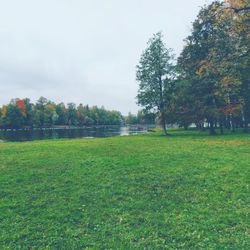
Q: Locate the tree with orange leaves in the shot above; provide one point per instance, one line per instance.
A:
(21, 104)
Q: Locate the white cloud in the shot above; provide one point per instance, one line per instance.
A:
(84, 50)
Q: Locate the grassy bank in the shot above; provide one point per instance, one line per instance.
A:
(188, 191)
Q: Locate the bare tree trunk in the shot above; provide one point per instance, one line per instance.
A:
(245, 122)
(221, 128)
(211, 128)
(231, 123)
(163, 123)
(162, 108)
(202, 127)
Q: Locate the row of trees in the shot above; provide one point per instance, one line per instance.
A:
(141, 117)
(44, 113)
(210, 83)
(21, 113)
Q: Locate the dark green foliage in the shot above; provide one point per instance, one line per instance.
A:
(155, 74)
(210, 83)
(142, 117)
(214, 65)
(46, 114)
(13, 118)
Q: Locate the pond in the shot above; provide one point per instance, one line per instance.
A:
(57, 133)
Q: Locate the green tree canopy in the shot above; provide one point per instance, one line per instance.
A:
(155, 74)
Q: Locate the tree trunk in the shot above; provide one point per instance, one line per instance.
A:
(202, 127)
(245, 123)
(212, 129)
(232, 125)
(163, 123)
(221, 129)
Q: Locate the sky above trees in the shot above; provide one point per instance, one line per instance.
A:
(84, 51)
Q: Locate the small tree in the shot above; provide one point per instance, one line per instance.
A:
(155, 76)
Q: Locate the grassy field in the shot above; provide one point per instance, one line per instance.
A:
(188, 191)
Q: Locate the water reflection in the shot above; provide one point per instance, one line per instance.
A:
(91, 132)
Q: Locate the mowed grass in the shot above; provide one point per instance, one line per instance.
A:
(187, 191)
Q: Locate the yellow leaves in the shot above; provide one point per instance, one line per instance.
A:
(50, 106)
(205, 65)
(238, 3)
(241, 20)
(226, 81)
(232, 109)
(226, 86)
(4, 110)
(202, 70)
(230, 80)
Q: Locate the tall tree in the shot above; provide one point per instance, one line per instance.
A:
(241, 30)
(14, 117)
(211, 62)
(155, 74)
(72, 114)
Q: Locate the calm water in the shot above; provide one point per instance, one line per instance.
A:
(91, 132)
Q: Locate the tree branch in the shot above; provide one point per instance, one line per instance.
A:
(241, 9)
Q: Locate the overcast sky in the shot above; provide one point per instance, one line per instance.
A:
(84, 51)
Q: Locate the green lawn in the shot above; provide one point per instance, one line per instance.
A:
(187, 191)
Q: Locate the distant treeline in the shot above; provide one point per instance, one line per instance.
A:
(142, 117)
(22, 113)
